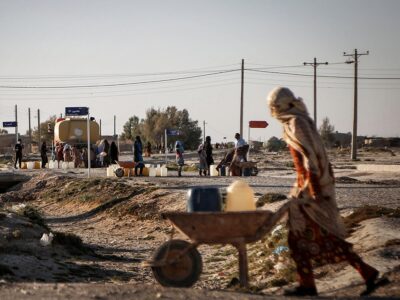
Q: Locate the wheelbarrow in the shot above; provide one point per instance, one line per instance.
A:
(178, 263)
(124, 167)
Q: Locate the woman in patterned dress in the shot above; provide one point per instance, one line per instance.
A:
(316, 231)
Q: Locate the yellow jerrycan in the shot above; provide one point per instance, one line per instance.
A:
(239, 197)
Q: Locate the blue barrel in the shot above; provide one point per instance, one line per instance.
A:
(222, 171)
(204, 199)
(247, 172)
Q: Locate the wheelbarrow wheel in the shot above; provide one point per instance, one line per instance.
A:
(119, 172)
(181, 273)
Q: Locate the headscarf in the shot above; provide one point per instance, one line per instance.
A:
(301, 134)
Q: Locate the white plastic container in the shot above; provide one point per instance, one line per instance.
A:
(158, 171)
(30, 165)
(64, 165)
(152, 172)
(71, 165)
(240, 197)
(213, 170)
(164, 171)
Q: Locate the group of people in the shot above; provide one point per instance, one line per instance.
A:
(101, 155)
(205, 157)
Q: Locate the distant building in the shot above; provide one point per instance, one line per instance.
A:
(381, 142)
(344, 140)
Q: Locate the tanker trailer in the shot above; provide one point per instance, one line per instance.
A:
(74, 131)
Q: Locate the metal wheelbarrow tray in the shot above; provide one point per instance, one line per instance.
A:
(178, 263)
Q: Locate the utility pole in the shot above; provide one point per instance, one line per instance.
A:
(315, 65)
(100, 127)
(241, 100)
(30, 130)
(204, 131)
(114, 124)
(16, 122)
(39, 131)
(355, 57)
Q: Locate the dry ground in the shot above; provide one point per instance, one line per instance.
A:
(105, 228)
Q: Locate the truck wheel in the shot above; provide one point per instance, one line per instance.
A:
(182, 273)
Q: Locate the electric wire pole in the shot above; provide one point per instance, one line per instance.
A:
(204, 132)
(355, 57)
(16, 124)
(315, 65)
(30, 130)
(241, 100)
(39, 131)
(115, 117)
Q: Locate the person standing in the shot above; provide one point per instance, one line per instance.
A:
(208, 149)
(138, 156)
(179, 157)
(43, 154)
(113, 153)
(59, 153)
(316, 231)
(106, 157)
(76, 156)
(67, 153)
(202, 160)
(18, 153)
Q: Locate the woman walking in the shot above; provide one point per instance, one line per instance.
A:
(316, 231)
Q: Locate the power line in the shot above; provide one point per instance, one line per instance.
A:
(324, 76)
(88, 76)
(119, 84)
(150, 92)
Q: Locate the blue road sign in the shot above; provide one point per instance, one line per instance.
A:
(173, 132)
(10, 124)
(76, 111)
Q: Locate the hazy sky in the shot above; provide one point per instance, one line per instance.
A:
(90, 43)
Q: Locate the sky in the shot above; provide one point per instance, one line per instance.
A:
(123, 57)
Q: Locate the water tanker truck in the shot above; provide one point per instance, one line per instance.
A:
(74, 131)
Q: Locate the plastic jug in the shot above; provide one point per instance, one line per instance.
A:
(158, 171)
(213, 170)
(152, 172)
(71, 165)
(30, 165)
(164, 171)
(51, 164)
(239, 197)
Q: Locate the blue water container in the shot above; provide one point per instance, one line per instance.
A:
(246, 172)
(204, 199)
(222, 171)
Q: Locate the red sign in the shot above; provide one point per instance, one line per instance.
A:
(258, 124)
